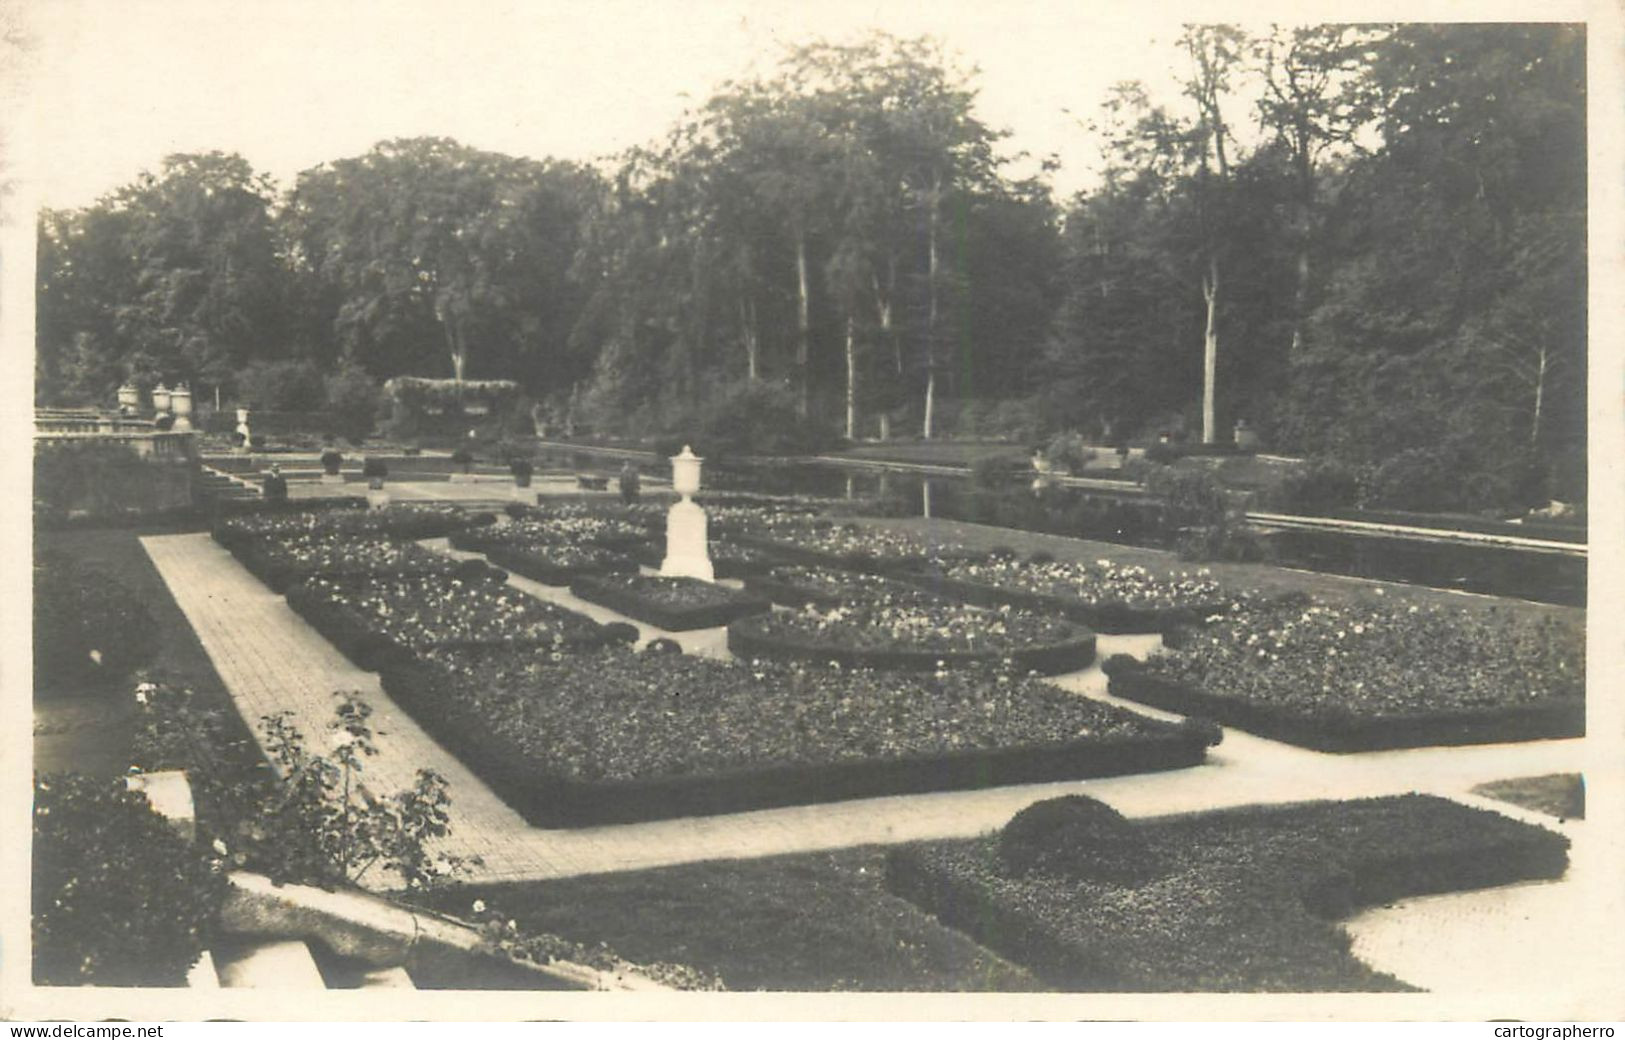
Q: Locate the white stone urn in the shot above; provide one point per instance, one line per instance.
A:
(180, 400)
(129, 398)
(161, 399)
(242, 428)
(688, 552)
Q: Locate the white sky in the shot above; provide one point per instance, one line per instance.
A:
(118, 84)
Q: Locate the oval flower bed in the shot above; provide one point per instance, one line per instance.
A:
(674, 604)
(1362, 677)
(905, 632)
(799, 586)
(616, 735)
(370, 619)
(850, 546)
(284, 562)
(1106, 596)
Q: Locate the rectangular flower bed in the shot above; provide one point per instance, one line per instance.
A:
(372, 620)
(823, 543)
(282, 563)
(609, 736)
(1103, 595)
(1232, 900)
(674, 604)
(1362, 678)
(403, 522)
(553, 565)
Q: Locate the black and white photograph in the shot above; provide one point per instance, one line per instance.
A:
(552, 510)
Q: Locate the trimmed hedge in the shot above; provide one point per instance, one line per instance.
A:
(746, 640)
(547, 797)
(732, 605)
(530, 563)
(1330, 727)
(1240, 899)
(1108, 618)
(80, 610)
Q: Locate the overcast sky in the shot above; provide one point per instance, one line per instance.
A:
(118, 84)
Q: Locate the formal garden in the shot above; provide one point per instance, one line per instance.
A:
(540, 648)
(810, 557)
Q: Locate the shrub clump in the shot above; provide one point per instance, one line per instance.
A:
(119, 899)
(89, 630)
(1078, 837)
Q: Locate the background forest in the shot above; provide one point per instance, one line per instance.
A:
(1367, 243)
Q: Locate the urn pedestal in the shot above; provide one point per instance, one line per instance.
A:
(688, 550)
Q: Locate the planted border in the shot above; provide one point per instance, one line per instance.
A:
(1238, 899)
(746, 640)
(280, 576)
(617, 597)
(1341, 730)
(547, 798)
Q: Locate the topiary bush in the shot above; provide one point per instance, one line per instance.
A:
(119, 898)
(1320, 487)
(1079, 837)
(90, 631)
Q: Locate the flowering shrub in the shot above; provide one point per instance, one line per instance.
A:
(1370, 659)
(419, 611)
(119, 898)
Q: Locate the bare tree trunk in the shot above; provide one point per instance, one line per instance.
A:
(459, 356)
(885, 426)
(747, 326)
(1210, 353)
(883, 307)
(931, 313)
(851, 380)
(803, 325)
(1540, 396)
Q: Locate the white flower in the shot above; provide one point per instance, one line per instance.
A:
(141, 696)
(220, 847)
(479, 906)
(341, 739)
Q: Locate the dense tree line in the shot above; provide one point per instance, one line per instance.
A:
(1366, 242)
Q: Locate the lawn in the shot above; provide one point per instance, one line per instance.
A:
(807, 922)
(1562, 795)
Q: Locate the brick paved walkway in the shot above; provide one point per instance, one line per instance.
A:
(271, 660)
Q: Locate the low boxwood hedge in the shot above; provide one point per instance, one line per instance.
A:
(1233, 900)
(674, 604)
(614, 736)
(1332, 726)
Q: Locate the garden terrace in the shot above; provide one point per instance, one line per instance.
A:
(908, 632)
(617, 735)
(284, 562)
(405, 522)
(1106, 596)
(1233, 900)
(1360, 677)
(673, 604)
(372, 619)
